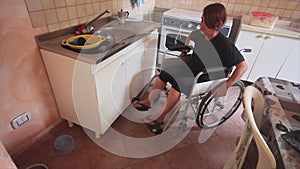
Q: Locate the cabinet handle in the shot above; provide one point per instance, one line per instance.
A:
(260, 36)
(268, 37)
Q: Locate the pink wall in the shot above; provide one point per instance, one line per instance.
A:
(24, 85)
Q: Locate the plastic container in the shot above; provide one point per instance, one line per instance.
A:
(64, 144)
(263, 19)
(37, 166)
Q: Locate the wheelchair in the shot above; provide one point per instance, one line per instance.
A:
(209, 110)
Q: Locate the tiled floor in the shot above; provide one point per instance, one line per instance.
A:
(187, 154)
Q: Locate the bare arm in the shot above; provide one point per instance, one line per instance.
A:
(241, 68)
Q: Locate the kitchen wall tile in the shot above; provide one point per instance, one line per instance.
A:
(38, 18)
(279, 12)
(72, 12)
(273, 4)
(238, 7)
(64, 24)
(245, 8)
(51, 16)
(256, 2)
(62, 14)
(74, 22)
(70, 2)
(298, 6)
(292, 5)
(287, 13)
(282, 4)
(89, 9)
(230, 6)
(248, 2)
(253, 8)
(60, 3)
(296, 15)
(96, 7)
(270, 10)
(114, 5)
(34, 5)
(109, 5)
(262, 8)
(53, 27)
(79, 2)
(264, 3)
(48, 4)
(81, 10)
(103, 6)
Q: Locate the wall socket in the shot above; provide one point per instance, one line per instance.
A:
(21, 120)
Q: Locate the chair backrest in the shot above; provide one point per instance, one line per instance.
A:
(254, 106)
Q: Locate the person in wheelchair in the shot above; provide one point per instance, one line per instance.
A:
(211, 49)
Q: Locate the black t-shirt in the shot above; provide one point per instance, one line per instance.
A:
(220, 52)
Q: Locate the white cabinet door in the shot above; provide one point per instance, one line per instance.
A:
(291, 68)
(112, 81)
(134, 67)
(110, 90)
(271, 57)
(249, 40)
(151, 45)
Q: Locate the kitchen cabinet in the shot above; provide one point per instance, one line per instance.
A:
(112, 81)
(74, 90)
(94, 95)
(291, 67)
(268, 53)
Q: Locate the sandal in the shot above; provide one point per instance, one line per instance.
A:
(154, 126)
(141, 107)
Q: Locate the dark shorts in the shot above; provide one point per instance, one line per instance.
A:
(181, 72)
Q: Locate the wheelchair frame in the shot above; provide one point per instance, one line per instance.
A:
(199, 102)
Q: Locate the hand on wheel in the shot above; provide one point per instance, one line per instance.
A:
(220, 91)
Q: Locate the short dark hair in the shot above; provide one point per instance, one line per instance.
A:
(214, 15)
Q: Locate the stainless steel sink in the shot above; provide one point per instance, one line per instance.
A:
(115, 34)
(112, 36)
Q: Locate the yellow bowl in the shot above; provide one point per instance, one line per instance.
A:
(85, 41)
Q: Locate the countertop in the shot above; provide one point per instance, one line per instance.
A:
(281, 28)
(52, 41)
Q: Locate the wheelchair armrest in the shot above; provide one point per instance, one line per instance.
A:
(218, 69)
(215, 70)
(180, 48)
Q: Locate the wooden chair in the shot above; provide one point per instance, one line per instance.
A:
(254, 106)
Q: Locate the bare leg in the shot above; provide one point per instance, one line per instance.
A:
(172, 100)
(158, 84)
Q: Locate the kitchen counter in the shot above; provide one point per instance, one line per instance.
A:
(281, 28)
(52, 41)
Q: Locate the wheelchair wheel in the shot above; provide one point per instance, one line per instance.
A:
(214, 111)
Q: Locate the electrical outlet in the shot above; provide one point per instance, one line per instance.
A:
(21, 120)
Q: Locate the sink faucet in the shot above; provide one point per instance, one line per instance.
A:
(86, 28)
